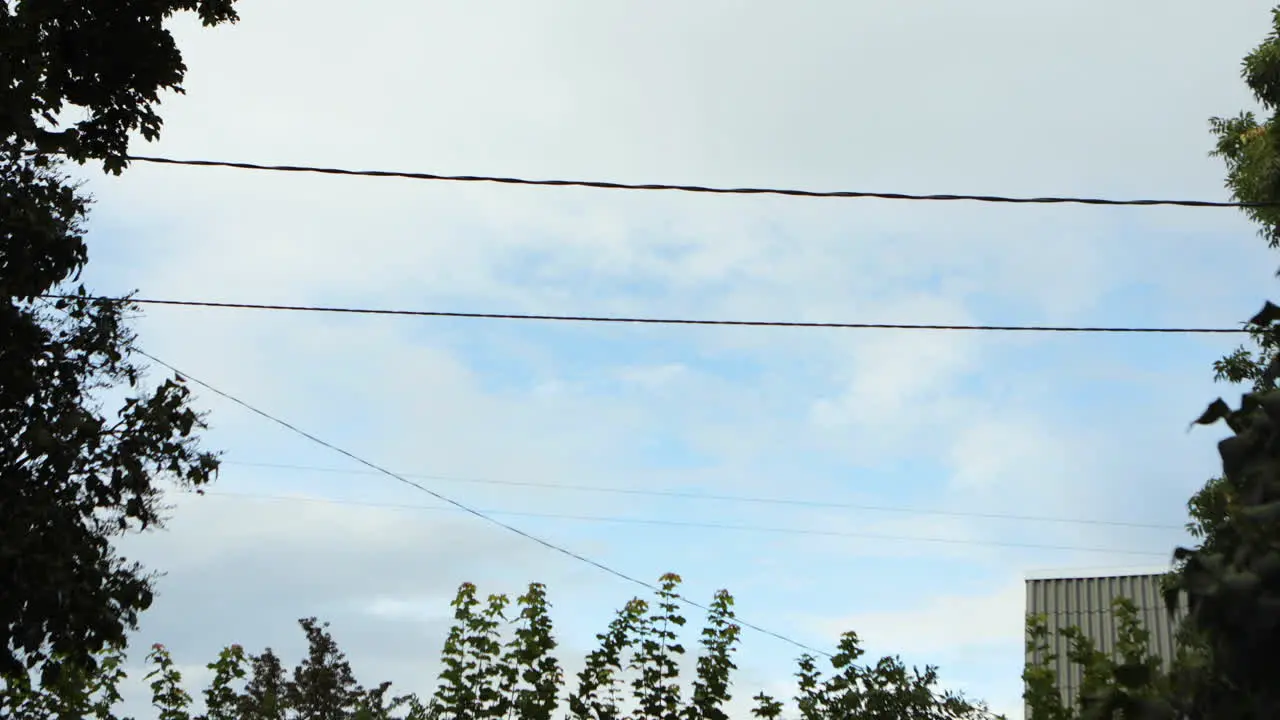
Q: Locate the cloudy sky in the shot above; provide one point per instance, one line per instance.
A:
(909, 450)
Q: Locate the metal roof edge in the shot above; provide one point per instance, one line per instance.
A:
(1081, 573)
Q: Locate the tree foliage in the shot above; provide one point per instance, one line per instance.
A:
(73, 478)
(104, 61)
(1232, 578)
(1208, 507)
(498, 663)
(1130, 682)
(73, 475)
(1233, 583)
(887, 690)
(1248, 145)
(1225, 666)
(73, 472)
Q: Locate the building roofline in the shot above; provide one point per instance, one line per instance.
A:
(1076, 573)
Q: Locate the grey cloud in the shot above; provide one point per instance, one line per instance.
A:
(1005, 96)
(245, 572)
(811, 91)
(815, 93)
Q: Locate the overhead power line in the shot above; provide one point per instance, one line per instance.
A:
(603, 185)
(464, 507)
(748, 499)
(695, 525)
(664, 321)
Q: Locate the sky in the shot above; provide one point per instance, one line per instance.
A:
(906, 451)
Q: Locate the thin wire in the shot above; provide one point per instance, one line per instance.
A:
(721, 498)
(695, 188)
(657, 321)
(697, 525)
(463, 507)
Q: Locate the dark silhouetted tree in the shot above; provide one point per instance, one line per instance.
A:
(75, 472)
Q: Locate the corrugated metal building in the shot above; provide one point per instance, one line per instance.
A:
(1086, 602)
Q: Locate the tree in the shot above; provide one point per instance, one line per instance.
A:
(642, 644)
(502, 667)
(323, 686)
(1232, 578)
(1226, 663)
(264, 691)
(1208, 508)
(1129, 683)
(104, 59)
(72, 474)
(1248, 145)
(75, 694)
(1233, 583)
(72, 477)
(887, 690)
(1250, 148)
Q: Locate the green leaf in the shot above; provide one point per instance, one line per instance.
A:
(1266, 513)
(1240, 582)
(1268, 566)
(110, 62)
(1152, 709)
(1270, 403)
(1269, 314)
(1217, 410)
(1234, 451)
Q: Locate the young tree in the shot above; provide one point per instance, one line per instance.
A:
(1129, 683)
(323, 686)
(221, 701)
(263, 697)
(471, 684)
(715, 664)
(71, 474)
(656, 661)
(597, 696)
(168, 696)
(887, 690)
(531, 675)
(76, 693)
(495, 667)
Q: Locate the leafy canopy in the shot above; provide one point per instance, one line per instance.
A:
(103, 61)
(76, 470)
(499, 663)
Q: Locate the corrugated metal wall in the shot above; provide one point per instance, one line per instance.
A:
(1086, 603)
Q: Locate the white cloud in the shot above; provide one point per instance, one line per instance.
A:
(814, 94)
(988, 453)
(653, 376)
(943, 623)
(976, 637)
